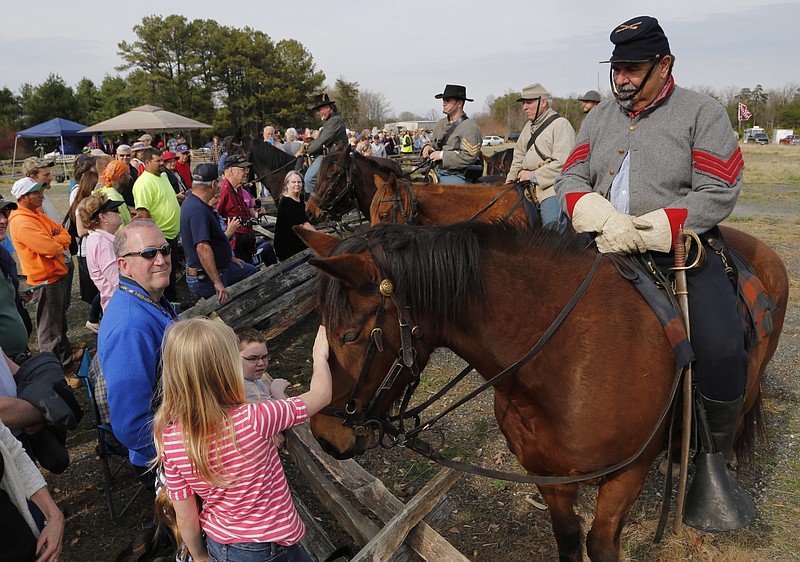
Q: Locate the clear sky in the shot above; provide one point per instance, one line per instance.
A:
(409, 49)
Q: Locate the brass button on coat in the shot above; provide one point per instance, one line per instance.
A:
(633, 127)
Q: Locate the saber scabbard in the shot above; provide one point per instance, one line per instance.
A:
(682, 294)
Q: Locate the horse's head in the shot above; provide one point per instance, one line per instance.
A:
(394, 201)
(370, 367)
(334, 179)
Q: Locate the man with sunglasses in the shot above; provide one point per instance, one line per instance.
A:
(129, 340)
(41, 243)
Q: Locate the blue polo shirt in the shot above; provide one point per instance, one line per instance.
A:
(199, 224)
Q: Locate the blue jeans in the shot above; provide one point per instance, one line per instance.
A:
(233, 274)
(311, 174)
(255, 552)
(447, 177)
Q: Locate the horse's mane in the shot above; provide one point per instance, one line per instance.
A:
(437, 270)
(385, 165)
(272, 157)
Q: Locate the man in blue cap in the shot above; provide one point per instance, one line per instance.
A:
(656, 158)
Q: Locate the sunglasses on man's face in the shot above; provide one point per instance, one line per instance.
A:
(150, 252)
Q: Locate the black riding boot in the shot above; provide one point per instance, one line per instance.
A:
(722, 417)
(716, 501)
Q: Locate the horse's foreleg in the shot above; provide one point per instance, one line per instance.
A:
(614, 502)
(566, 523)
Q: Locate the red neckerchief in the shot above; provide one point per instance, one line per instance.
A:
(662, 95)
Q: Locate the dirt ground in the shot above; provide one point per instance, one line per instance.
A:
(494, 520)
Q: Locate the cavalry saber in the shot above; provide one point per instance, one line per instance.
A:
(682, 295)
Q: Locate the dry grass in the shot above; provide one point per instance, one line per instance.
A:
(771, 163)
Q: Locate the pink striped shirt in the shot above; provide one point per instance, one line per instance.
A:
(258, 506)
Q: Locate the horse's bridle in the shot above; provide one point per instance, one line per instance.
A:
(398, 209)
(329, 202)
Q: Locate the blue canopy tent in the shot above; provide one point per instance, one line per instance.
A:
(63, 129)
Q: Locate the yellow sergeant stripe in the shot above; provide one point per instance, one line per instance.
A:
(470, 148)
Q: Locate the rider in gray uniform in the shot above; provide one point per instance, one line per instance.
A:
(333, 132)
(457, 139)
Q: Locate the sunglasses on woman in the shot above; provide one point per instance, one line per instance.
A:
(150, 252)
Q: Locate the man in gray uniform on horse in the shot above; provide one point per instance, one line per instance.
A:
(656, 158)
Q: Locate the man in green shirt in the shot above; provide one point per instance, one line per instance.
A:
(155, 199)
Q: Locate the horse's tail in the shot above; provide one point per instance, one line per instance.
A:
(753, 427)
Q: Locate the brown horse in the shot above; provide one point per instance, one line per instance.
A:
(590, 398)
(499, 163)
(346, 179)
(402, 202)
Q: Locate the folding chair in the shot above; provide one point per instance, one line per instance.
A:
(110, 451)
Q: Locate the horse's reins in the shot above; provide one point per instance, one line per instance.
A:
(261, 177)
(496, 199)
(410, 216)
(407, 359)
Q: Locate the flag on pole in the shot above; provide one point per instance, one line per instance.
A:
(744, 115)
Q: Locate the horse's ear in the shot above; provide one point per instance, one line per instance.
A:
(318, 241)
(354, 270)
(378, 182)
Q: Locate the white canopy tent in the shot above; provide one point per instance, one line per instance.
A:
(147, 118)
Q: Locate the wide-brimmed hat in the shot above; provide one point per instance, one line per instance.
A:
(139, 146)
(591, 95)
(533, 91)
(24, 186)
(32, 164)
(454, 91)
(320, 100)
(236, 161)
(639, 39)
(5, 203)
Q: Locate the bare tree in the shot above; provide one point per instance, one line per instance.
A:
(374, 108)
(433, 115)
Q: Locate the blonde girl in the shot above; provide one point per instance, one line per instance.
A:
(214, 445)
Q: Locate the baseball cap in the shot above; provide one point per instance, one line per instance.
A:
(24, 186)
(168, 156)
(182, 149)
(205, 172)
(236, 161)
(145, 137)
(5, 203)
(32, 164)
